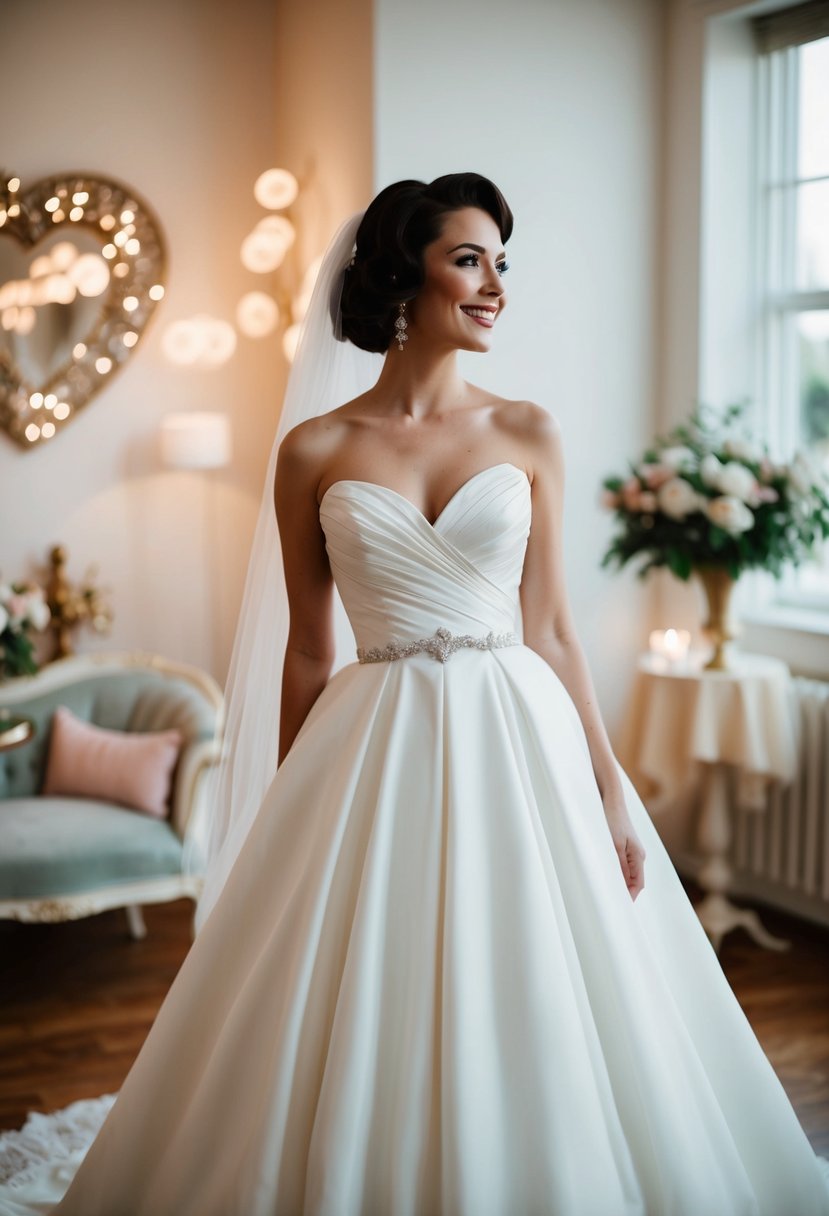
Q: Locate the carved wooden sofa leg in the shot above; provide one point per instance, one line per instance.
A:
(135, 920)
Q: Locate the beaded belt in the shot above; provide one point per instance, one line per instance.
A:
(442, 646)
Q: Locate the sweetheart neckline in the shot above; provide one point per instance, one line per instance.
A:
(375, 485)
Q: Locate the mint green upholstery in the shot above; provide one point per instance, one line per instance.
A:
(58, 846)
(58, 855)
(122, 700)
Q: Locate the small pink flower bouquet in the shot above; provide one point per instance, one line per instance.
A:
(23, 609)
(704, 495)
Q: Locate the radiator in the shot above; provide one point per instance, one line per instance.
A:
(780, 855)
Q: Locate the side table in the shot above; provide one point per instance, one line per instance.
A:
(687, 718)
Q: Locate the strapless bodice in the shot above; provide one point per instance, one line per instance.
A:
(401, 577)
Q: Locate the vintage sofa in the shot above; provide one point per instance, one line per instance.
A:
(62, 858)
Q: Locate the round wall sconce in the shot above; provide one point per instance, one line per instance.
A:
(265, 247)
(199, 341)
(275, 189)
(257, 314)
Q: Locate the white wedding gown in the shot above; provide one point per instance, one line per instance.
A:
(425, 990)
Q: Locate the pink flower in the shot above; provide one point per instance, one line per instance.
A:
(631, 494)
(17, 606)
(609, 499)
(655, 475)
(648, 501)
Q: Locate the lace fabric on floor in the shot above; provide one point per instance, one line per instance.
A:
(54, 1139)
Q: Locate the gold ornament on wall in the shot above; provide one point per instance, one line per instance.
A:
(74, 605)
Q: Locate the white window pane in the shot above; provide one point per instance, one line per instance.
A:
(813, 236)
(812, 580)
(795, 258)
(811, 583)
(813, 118)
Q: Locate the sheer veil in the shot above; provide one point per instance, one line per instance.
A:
(326, 372)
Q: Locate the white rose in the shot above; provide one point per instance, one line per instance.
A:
(4, 618)
(743, 449)
(736, 481)
(710, 470)
(730, 514)
(680, 457)
(804, 473)
(39, 613)
(677, 498)
(5, 592)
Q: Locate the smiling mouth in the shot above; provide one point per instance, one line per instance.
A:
(482, 316)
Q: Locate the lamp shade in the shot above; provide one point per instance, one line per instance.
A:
(195, 441)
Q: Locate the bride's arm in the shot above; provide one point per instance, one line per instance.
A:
(549, 630)
(309, 653)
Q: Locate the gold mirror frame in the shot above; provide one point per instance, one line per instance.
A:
(133, 245)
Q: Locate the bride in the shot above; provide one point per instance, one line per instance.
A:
(445, 966)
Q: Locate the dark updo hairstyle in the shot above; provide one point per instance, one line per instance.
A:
(388, 263)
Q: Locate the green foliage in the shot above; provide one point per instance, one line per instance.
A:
(16, 654)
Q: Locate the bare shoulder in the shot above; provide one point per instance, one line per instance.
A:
(310, 439)
(308, 446)
(528, 419)
(535, 430)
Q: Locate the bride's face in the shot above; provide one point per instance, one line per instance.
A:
(463, 291)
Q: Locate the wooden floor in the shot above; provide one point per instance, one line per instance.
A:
(78, 1000)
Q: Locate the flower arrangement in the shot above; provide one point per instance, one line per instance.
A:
(707, 496)
(23, 609)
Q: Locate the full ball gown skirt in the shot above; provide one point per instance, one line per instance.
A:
(425, 989)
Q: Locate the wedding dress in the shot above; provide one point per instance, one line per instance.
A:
(425, 989)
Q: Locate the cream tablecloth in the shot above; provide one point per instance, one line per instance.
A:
(679, 717)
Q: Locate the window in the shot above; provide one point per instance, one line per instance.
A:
(793, 261)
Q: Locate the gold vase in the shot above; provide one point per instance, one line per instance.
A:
(720, 627)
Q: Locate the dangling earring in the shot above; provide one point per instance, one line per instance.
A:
(401, 325)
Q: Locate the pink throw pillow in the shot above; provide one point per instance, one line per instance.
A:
(129, 768)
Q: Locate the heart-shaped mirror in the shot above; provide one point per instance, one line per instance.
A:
(81, 272)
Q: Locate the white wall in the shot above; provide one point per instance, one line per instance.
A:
(323, 93)
(559, 103)
(175, 99)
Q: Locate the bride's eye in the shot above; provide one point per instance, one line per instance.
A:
(471, 259)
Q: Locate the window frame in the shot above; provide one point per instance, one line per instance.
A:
(779, 301)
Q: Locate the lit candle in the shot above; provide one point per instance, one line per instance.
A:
(670, 646)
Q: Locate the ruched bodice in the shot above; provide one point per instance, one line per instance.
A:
(401, 577)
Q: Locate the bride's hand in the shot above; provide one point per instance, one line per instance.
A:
(627, 844)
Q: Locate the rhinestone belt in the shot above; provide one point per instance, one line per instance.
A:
(442, 645)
